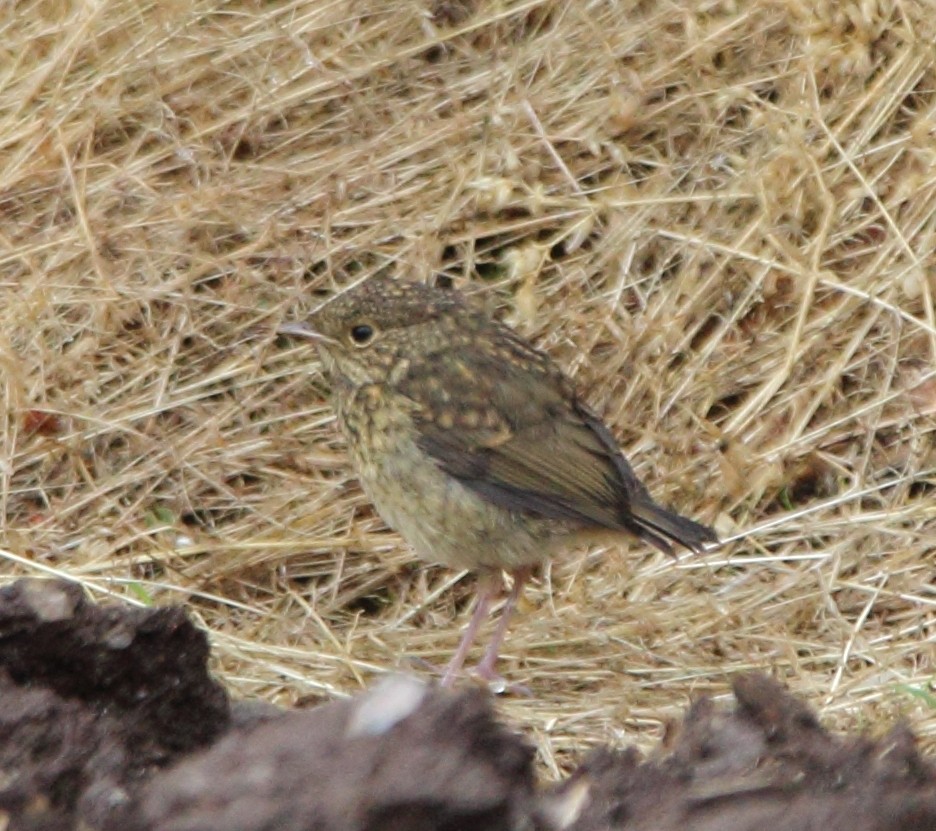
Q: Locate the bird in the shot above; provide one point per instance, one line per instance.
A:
(473, 444)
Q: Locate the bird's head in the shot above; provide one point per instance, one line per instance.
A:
(366, 331)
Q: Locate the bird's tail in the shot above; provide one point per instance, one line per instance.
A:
(662, 527)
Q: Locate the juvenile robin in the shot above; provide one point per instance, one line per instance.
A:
(473, 444)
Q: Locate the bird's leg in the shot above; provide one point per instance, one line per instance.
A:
(488, 585)
(485, 669)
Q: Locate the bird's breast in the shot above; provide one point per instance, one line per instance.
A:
(444, 521)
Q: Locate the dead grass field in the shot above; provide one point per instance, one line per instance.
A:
(719, 216)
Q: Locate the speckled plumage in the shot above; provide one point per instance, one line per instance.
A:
(470, 442)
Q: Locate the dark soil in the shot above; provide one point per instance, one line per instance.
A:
(109, 720)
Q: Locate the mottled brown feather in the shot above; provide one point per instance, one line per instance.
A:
(540, 450)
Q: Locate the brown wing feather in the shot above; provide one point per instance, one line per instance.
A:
(538, 469)
(525, 443)
(521, 440)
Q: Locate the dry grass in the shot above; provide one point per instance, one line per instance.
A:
(719, 216)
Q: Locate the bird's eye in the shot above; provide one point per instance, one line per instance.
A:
(362, 334)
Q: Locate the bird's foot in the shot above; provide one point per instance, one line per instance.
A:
(447, 675)
(497, 684)
(494, 681)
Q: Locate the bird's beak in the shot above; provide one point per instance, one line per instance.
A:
(302, 330)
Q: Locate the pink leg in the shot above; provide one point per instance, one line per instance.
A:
(486, 668)
(488, 585)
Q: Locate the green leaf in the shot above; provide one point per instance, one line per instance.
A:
(920, 693)
(141, 593)
(160, 517)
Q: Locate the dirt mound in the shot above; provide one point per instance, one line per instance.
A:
(110, 720)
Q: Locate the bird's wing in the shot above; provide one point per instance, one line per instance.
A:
(514, 433)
